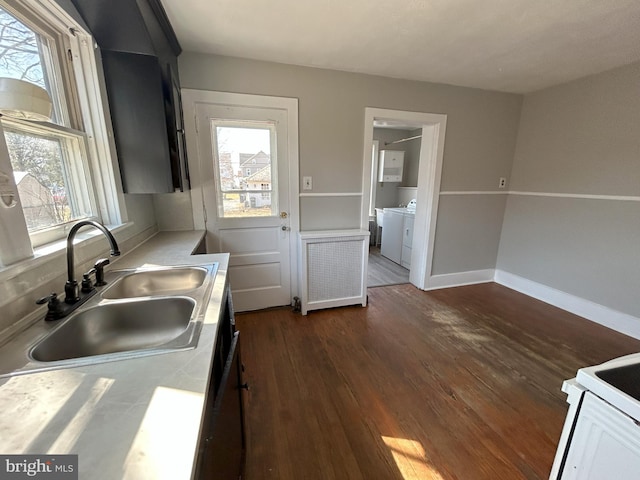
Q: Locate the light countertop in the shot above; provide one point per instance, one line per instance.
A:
(136, 418)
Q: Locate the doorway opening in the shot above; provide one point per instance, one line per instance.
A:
(401, 186)
(393, 197)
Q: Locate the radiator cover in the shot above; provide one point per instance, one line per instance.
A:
(333, 268)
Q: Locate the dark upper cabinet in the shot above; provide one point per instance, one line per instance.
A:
(175, 128)
(139, 54)
(117, 25)
(134, 88)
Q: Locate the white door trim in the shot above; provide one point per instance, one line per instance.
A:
(433, 134)
(192, 97)
(374, 178)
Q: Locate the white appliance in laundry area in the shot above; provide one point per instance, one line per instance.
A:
(397, 234)
(391, 166)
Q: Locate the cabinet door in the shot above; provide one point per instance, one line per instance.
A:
(405, 260)
(391, 166)
(175, 132)
(605, 444)
(391, 245)
(407, 240)
(136, 100)
(407, 234)
(223, 457)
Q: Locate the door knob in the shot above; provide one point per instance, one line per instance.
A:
(283, 215)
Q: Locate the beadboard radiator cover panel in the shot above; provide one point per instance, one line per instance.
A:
(333, 269)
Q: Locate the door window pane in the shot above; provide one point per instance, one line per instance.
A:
(245, 158)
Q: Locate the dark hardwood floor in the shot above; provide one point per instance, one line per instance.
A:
(461, 383)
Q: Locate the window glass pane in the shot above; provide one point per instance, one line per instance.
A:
(22, 56)
(20, 51)
(42, 175)
(244, 163)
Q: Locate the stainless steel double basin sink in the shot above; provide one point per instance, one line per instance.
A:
(141, 312)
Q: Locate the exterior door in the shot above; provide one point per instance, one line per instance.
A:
(244, 162)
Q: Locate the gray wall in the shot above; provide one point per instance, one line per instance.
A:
(479, 145)
(580, 138)
(468, 233)
(413, 151)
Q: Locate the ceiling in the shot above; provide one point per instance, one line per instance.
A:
(507, 45)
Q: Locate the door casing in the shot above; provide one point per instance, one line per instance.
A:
(431, 156)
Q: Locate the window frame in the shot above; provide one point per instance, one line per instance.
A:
(81, 105)
(78, 172)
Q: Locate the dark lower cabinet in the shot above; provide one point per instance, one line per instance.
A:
(221, 453)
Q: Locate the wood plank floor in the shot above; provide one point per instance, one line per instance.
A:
(382, 271)
(462, 383)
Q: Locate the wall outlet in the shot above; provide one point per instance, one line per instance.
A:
(502, 182)
(307, 183)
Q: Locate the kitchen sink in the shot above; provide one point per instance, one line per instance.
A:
(140, 312)
(625, 378)
(119, 327)
(174, 280)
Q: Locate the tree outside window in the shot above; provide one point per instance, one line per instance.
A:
(19, 51)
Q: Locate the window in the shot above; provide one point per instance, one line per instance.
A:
(62, 167)
(49, 171)
(240, 143)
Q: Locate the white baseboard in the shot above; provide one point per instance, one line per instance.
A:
(459, 278)
(621, 322)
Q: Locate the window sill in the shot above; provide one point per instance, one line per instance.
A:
(51, 251)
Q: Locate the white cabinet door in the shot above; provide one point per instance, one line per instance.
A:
(391, 245)
(405, 259)
(407, 240)
(605, 444)
(407, 234)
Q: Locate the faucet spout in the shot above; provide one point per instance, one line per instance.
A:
(71, 289)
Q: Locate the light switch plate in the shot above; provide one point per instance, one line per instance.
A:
(307, 183)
